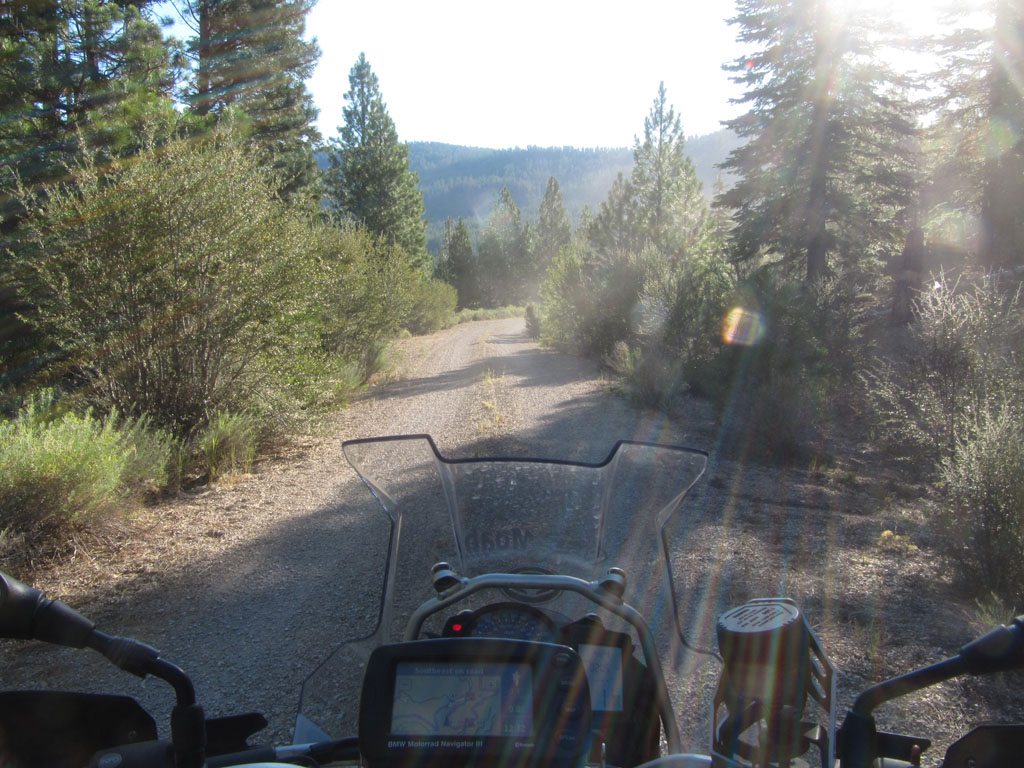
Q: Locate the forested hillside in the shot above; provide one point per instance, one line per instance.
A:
(464, 182)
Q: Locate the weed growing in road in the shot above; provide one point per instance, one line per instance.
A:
(492, 415)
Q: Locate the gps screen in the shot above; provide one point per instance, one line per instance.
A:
(462, 699)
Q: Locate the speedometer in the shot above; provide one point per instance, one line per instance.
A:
(508, 621)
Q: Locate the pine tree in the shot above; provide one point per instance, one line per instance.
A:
(660, 209)
(653, 228)
(553, 231)
(79, 81)
(667, 198)
(443, 269)
(369, 178)
(614, 231)
(457, 265)
(979, 137)
(1004, 172)
(251, 55)
(505, 256)
(827, 170)
(75, 77)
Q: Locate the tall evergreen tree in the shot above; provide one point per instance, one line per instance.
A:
(457, 265)
(369, 178)
(251, 55)
(979, 137)
(660, 209)
(648, 232)
(505, 255)
(443, 269)
(667, 196)
(614, 231)
(553, 231)
(79, 80)
(74, 76)
(827, 170)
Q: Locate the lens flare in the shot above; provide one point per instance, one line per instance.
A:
(743, 327)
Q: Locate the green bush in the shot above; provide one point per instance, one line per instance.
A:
(228, 444)
(588, 302)
(963, 358)
(652, 376)
(498, 313)
(982, 529)
(947, 402)
(532, 321)
(777, 385)
(59, 471)
(374, 359)
(432, 306)
(363, 294)
(698, 297)
(59, 467)
(175, 284)
(314, 383)
(155, 459)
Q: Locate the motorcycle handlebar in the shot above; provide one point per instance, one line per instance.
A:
(27, 614)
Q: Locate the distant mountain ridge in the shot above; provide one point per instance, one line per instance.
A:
(465, 181)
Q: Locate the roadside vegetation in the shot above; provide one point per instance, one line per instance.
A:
(174, 297)
(809, 302)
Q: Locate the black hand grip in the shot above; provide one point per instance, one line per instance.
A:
(27, 614)
(1000, 650)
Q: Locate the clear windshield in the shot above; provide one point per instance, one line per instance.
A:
(507, 516)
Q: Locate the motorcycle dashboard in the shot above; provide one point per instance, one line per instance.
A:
(470, 701)
(622, 697)
(603, 651)
(507, 621)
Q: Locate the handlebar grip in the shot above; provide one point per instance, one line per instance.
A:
(1000, 650)
(27, 614)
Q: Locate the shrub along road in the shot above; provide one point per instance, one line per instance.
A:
(248, 583)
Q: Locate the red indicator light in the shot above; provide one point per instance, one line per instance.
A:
(456, 627)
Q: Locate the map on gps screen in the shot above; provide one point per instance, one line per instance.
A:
(462, 699)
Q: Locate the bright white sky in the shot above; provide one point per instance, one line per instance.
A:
(579, 73)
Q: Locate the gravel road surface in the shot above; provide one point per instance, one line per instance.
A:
(246, 584)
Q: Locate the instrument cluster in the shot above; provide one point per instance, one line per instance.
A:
(507, 621)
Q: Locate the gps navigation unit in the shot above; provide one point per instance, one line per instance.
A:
(452, 702)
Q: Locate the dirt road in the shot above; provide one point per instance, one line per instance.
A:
(245, 584)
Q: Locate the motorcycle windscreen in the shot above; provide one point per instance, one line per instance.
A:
(498, 515)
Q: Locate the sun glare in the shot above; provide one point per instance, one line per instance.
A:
(916, 17)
